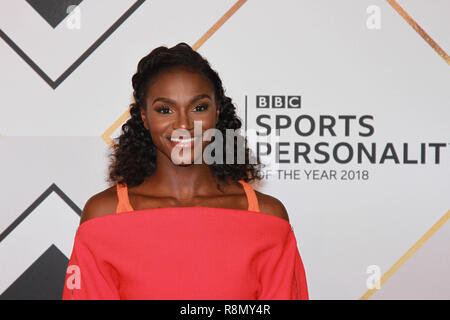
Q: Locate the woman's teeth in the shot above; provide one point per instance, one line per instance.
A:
(182, 140)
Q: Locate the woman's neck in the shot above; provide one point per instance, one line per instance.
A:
(181, 182)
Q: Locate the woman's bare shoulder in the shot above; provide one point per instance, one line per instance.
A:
(271, 205)
(100, 204)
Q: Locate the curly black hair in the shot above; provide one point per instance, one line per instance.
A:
(134, 154)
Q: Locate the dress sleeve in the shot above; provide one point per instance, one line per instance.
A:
(88, 277)
(282, 275)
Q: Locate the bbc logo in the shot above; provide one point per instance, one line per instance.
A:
(278, 102)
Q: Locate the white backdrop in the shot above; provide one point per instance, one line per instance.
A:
(65, 91)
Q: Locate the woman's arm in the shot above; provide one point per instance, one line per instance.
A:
(281, 274)
(88, 277)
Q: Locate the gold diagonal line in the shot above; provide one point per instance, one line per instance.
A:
(419, 30)
(408, 254)
(218, 24)
(106, 135)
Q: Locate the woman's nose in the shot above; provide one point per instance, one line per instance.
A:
(183, 121)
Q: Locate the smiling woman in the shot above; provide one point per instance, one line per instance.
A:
(173, 88)
(174, 228)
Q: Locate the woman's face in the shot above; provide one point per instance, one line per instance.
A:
(175, 99)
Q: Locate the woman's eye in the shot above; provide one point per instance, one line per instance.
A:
(201, 107)
(163, 110)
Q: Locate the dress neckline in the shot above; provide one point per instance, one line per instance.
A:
(196, 209)
(124, 205)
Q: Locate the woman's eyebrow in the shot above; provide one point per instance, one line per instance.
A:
(197, 97)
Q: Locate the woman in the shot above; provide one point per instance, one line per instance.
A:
(175, 228)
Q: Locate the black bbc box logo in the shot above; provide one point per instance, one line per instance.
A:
(278, 102)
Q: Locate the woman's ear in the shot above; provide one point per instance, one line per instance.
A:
(217, 113)
(144, 118)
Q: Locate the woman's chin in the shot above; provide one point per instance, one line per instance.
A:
(187, 160)
(183, 162)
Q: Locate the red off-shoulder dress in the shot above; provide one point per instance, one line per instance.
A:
(186, 253)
